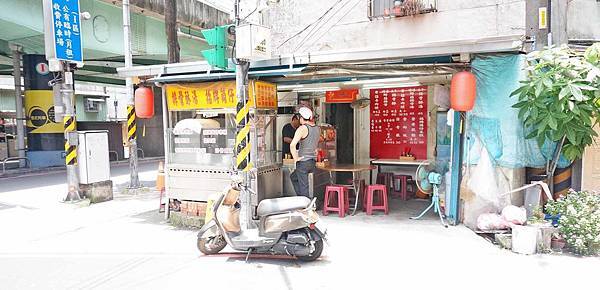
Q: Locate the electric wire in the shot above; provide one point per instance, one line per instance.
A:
(255, 8)
(335, 24)
(316, 27)
(308, 26)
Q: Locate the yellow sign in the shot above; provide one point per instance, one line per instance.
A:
(265, 95)
(39, 106)
(542, 18)
(218, 95)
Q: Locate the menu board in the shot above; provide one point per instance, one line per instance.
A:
(398, 122)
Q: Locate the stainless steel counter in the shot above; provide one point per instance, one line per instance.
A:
(317, 181)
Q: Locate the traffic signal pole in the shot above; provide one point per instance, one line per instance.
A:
(243, 146)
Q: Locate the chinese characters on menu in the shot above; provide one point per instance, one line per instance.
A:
(399, 116)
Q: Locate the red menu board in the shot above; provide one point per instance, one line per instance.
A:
(398, 122)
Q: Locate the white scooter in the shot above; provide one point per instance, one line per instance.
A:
(286, 226)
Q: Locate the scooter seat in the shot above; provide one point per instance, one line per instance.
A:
(280, 205)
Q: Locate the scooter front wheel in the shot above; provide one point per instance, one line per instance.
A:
(211, 245)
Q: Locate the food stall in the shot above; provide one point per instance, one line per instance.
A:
(200, 149)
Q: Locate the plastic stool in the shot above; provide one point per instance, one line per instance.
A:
(401, 182)
(338, 194)
(387, 179)
(380, 190)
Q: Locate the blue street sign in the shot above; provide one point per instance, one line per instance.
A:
(67, 30)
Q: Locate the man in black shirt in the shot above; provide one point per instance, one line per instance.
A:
(288, 134)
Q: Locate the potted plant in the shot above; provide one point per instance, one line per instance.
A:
(544, 230)
(579, 220)
(559, 101)
(557, 242)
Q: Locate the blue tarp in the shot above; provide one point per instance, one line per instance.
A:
(494, 122)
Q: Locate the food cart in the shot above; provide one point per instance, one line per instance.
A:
(200, 149)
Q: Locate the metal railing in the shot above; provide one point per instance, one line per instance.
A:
(142, 151)
(27, 163)
(379, 9)
(113, 152)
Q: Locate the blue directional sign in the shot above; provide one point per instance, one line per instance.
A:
(67, 30)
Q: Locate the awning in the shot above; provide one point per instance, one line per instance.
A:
(198, 77)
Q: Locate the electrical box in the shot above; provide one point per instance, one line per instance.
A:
(92, 156)
(253, 42)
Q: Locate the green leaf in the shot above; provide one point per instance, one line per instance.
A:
(585, 87)
(519, 90)
(540, 140)
(534, 113)
(552, 123)
(572, 137)
(576, 93)
(531, 135)
(538, 88)
(522, 112)
(547, 82)
(565, 91)
(520, 104)
(542, 126)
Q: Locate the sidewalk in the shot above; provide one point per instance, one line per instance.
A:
(40, 171)
(126, 244)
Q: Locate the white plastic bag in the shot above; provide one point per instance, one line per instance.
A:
(491, 221)
(483, 180)
(514, 215)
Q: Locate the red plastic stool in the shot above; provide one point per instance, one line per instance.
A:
(339, 196)
(381, 191)
(387, 179)
(402, 181)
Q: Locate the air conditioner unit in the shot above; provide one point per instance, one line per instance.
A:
(92, 105)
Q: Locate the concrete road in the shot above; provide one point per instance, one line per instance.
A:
(125, 244)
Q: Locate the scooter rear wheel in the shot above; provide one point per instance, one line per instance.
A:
(315, 254)
(211, 245)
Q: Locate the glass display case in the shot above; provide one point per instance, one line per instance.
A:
(202, 159)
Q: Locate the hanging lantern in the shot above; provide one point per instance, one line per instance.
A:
(144, 102)
(463, 91)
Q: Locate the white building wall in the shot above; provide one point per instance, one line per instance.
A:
(583, 20)
(347, 25)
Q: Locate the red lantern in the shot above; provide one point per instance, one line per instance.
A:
(463, 91)
(144, 102)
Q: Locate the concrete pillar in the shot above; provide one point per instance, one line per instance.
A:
(44, 135)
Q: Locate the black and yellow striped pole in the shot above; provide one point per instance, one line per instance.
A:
(242, 138)
(70, 149)
(242, 141)
(70, 133)
(131, 124)
(134, 181)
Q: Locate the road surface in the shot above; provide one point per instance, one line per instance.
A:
(125, 244)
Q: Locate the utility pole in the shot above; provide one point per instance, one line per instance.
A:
(171, 31)
(16, 57)
(64, 52)
(70, 126)
(134, 181)
(243, 146)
